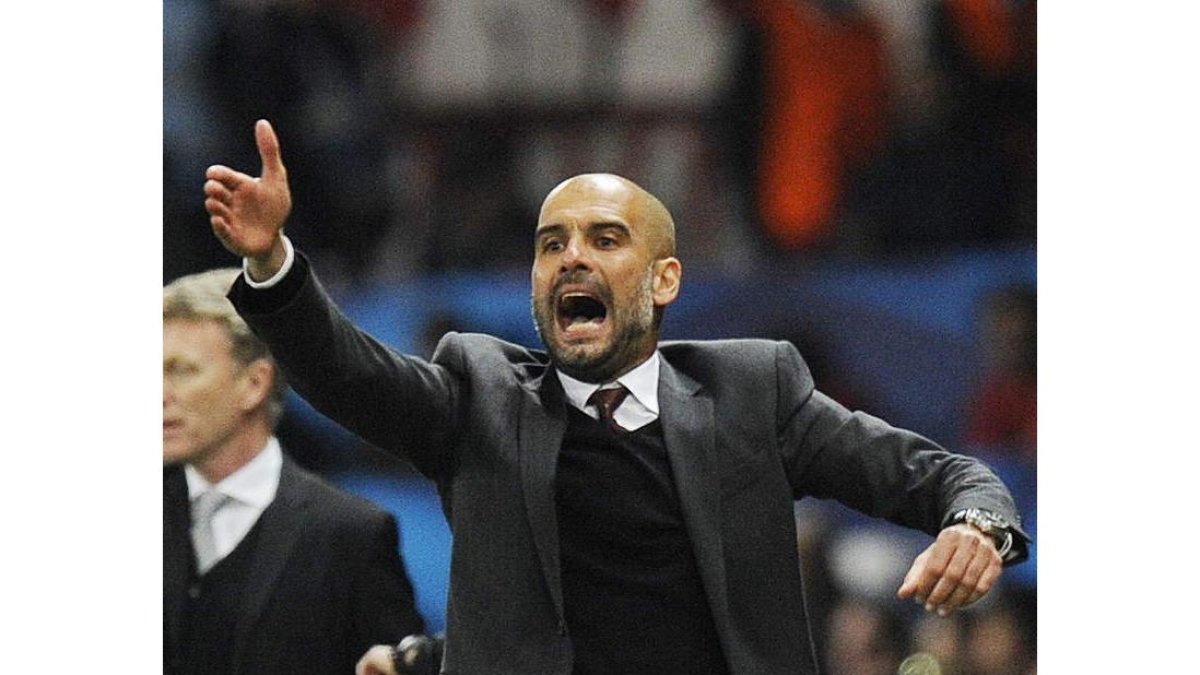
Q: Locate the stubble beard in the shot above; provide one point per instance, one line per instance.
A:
(635, 325)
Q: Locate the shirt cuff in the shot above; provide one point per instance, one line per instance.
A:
(289, 258)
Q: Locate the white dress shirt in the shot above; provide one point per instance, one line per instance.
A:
(637, 410)
(252, 488)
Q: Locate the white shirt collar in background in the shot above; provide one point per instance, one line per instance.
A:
(252, 488)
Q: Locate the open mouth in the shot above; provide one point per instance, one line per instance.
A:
(580, 312)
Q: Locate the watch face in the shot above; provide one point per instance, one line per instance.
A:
(994, 521)
(988, 522)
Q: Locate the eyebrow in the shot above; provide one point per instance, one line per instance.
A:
(558, 228)
(610, 225)
(547, 230)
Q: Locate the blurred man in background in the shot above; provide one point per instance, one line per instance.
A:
(266, 569)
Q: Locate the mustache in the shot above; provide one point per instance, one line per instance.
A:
(582, 278)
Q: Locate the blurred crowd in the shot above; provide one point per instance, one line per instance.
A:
(420, 136)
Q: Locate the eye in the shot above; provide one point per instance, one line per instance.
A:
(606, 242)
(551, 246)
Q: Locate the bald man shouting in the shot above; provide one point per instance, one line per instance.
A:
(619, 505)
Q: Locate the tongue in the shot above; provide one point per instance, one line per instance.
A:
(580, 326)
(576, 320)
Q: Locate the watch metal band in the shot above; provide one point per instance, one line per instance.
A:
(991, 524)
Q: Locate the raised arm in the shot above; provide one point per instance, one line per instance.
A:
(398, 402)
(247, 213)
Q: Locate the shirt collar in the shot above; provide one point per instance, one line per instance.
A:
(255, 483)
(642, 383)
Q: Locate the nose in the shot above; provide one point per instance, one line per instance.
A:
(575, 256)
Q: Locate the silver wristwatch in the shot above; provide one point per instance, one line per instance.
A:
(991, 524)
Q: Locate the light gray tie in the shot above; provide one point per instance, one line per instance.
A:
(203, 541)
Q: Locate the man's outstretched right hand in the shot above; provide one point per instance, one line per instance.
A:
(247, 213)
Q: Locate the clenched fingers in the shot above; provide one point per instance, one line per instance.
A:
(971, 586)
(956, 570)
(954, 574)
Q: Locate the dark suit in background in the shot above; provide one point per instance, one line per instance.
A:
(745, 432)
(317, 580)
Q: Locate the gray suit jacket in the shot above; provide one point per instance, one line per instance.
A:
(746, 435)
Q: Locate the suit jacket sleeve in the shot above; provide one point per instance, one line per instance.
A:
(398, 402)
(382, 606)
(873, 467)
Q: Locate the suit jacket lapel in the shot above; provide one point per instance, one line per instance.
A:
(543, 424)
(177, 551)
(687, 418)
(279, 532)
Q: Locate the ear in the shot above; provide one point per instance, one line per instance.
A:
(667, 275)
(257, 378)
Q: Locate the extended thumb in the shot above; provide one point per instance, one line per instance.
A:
(268, 150)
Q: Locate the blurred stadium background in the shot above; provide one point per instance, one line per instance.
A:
(856, 176)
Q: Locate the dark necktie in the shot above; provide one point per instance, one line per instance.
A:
(606, 402)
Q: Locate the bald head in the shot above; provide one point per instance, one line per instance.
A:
(604, 270)
(645, 213)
